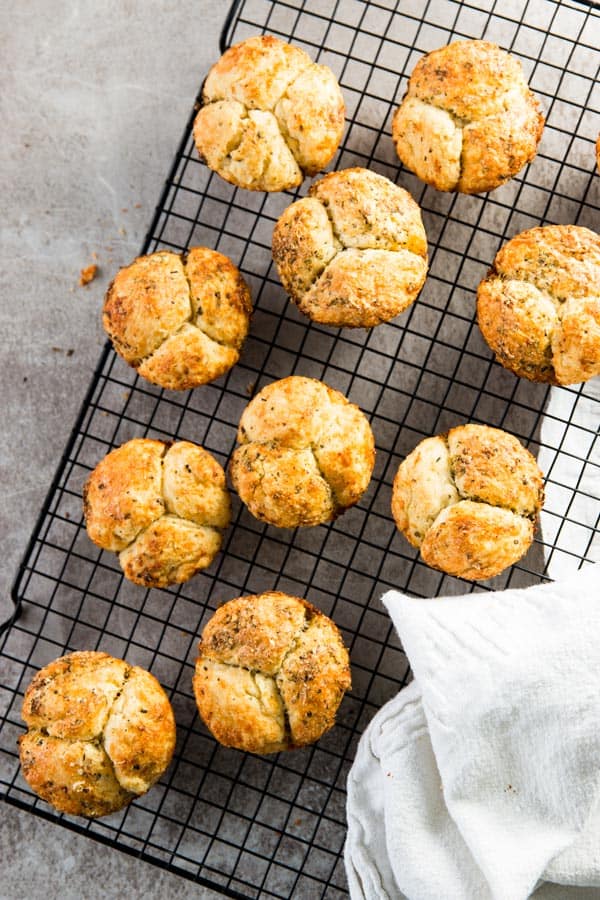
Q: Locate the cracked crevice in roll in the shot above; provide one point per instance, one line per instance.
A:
(179, 319)
(161, 507)
(306, 453)
(468, 121)
(100, 733)
(354, 252)
(270, 115)
(469, 500)
(539, 307)
(270, 674)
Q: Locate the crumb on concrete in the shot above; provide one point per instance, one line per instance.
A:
(250, 387)
(88, 274)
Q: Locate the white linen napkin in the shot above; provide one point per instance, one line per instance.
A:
(482, 778)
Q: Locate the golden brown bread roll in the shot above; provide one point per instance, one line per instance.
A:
(354, 252)
(270, 115)
(539, 307)
(469, 500)
(100, 733)
(161, 507)
(271, 672)
(306, 453)
(179, 319)
(468, 121)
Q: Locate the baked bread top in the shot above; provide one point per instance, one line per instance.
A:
(354, 252)
(271, 672)
(468, 121)
(100, 733)
(179, 319)
(162, 507)
(270, 115)
(539, 306)
(306, 453)
(469, 500)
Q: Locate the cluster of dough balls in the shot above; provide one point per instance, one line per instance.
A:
(270, 115)
(99, 733)
(468, 121)
(539, 307)
(162, 507)
(179, 318)
(468, 500)
(354, 252)
(270, 674)
(306, 453)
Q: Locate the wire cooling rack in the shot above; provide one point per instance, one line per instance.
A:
(275, 826)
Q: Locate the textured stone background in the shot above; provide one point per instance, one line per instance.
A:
(94, 99)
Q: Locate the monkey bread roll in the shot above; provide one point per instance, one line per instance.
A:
(179, 319)
(468, 500)
(100, 733)
(354, 252)
(162, 507)
(306, 453)
(539, 307)
(270, 115)
(270, 674)
(468, 121)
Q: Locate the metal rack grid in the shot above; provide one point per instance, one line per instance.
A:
(275, 826)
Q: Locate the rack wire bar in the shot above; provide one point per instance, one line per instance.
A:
(274, 827)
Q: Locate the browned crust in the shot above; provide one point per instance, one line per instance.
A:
(146, 302)
(139, 736)
(254, 632)
(179, 319)
(282, 486)
(492, 466)
(123, 495)
(476, 541)
(306, 453)
(75, 777)
(170, 551)
(468, 500)
(423, 486)
(186, 360)
(313, 679)
(271, 673)
(354, 253)
(468, 121)
(539, 307)
(100, 733)
(269, 116)
(162, 507)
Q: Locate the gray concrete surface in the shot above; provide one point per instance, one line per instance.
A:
(94, 98)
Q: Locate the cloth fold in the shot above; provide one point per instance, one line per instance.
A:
(481, 779)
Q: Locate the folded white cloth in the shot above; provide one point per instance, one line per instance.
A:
(481, 779)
